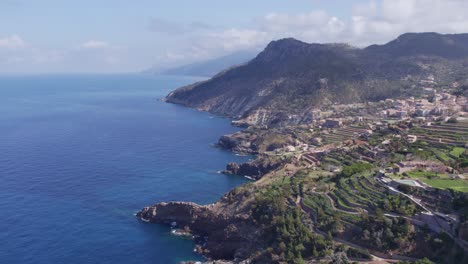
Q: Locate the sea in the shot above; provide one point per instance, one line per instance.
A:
(81, 154)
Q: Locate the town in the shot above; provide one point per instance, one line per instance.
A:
(399, 158)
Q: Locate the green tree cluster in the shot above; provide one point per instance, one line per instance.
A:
(355, 168)
(284, 227)
(398, 204)
(384, 233)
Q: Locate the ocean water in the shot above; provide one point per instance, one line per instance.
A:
(80, 154)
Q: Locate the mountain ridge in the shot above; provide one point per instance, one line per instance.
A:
(290, 76)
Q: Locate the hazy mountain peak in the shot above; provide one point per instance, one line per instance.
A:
(210, 67)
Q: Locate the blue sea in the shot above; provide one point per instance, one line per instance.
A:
(81, 154)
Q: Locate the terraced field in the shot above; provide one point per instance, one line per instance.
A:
(350, 199)
(358, 193)
(342, 134)
(354, 195)
(444, 134)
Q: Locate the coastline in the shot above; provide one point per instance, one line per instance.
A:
(180, 219)
(102, 168)
(291, 163)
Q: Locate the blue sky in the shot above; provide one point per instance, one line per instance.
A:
(123, 35)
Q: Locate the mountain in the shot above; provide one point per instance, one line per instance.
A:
(450, 46)
(210, 67)
(291, 77)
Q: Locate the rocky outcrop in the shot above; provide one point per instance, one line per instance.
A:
(181, 212)
(254, 169)
(221, 232)
(239, 142)
(265, 118)
(258, 139)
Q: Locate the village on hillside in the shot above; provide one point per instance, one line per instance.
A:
(402, 158)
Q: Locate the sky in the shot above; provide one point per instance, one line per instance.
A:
(107, 36)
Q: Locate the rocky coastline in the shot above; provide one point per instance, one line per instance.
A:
(220, 231)
(238, 228)
(224, 230)
(328, 172)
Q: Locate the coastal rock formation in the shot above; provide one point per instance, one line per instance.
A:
(289, 215)
(239, 142)
(181, 212)
(254, 140)
(222, 230)
(254, 169)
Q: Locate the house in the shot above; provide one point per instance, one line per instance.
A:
(401, 114)
(457, 176)
(438, 111)
(386, 142)
(411, 138)
(405, 166)
(381, 173)
(290, 149)
(304, 147)
(317, 141)
(332, 123)
(367, 133)
(333, 168)
(422, 112)
(311, 159)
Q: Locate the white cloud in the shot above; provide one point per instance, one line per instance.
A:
(281, 22)
(89, 56)
(382, 22)
(12, 42)
(374, 21)
(371, 22)
(95, 44)
(314, 26)
(236, 39)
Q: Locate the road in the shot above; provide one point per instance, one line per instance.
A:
(463, 244)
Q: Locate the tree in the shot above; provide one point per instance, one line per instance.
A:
(379, 214)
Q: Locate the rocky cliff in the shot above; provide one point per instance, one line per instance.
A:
(255, 169)
(223, 230)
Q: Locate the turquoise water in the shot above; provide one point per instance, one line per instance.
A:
(80, 154)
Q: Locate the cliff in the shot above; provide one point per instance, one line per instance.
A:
(257, 168)
(224, 231)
